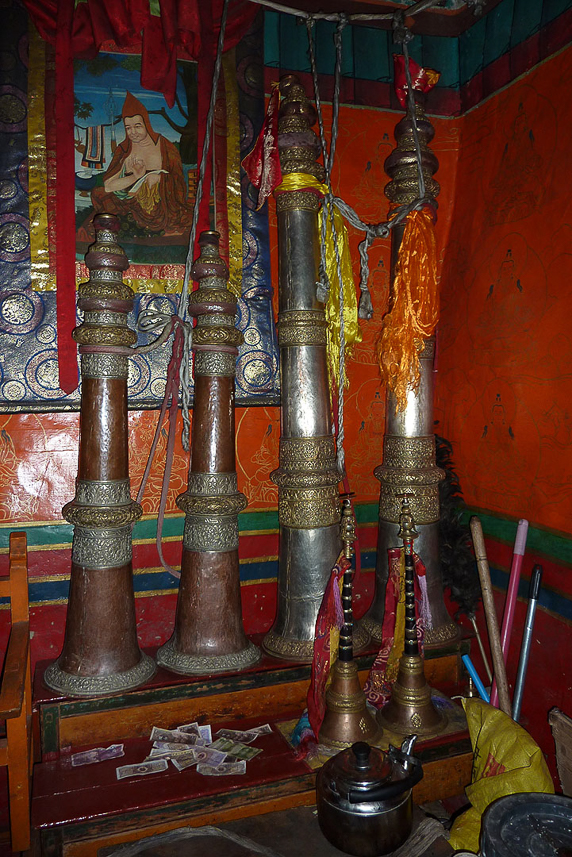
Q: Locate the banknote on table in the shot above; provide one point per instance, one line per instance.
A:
(200, 755)
(190, 728)
(98, 754)
(153, 767)
(174, 736)
(203, 732)
(206, 733)
(262, 730)
(237, 735)
(167, 745)
(182, 761)
(210, 755)
(157, 753)
(225, 769)
(235, 749)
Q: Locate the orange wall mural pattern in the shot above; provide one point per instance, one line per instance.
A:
(504, 383)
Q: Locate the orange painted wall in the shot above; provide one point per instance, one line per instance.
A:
(504, 383)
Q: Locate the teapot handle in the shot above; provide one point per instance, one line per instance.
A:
(385, 792)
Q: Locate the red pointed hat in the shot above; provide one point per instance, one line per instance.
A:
(133, 107)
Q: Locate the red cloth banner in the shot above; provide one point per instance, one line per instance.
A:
(330, 618)
(422, 79)
(65, 200)
(379, 683)
(262, 164)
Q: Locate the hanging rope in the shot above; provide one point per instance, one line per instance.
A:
(170, 403)
(372, 230)
(328, 221)
(179, 370)
(185, 373)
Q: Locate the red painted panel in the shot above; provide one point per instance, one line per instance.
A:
(63, 794)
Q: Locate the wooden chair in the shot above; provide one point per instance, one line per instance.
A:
(16, 696)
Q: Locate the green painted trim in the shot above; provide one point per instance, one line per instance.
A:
(42, 534)
(367, 513)
(263, 520)
(38, 535)
(49, 728)
(184, 690)
(553, 545)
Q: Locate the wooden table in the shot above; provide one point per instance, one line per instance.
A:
(78, 811)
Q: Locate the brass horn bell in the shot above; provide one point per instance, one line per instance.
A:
(347, 718)
(410, 708)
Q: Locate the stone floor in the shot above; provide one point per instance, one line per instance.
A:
(289, 833)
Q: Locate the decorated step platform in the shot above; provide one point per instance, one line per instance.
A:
(77, 811)
(271, 689)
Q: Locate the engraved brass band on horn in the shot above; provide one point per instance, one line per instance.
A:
(409, 441)
(101, 653)
(209, 636)
(307, 476)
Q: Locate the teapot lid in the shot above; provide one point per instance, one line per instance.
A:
(361, 767)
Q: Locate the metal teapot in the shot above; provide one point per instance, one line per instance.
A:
(364, 799)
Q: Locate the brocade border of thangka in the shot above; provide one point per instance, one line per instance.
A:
(28, 324)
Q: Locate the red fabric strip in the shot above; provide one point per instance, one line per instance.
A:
(205, 72)
(220, 153)
(65, 199)
(262, 164)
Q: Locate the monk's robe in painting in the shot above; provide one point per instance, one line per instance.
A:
(145, 182)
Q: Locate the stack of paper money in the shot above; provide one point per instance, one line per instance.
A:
(190, 744)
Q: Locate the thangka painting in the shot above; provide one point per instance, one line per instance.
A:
(135, 158)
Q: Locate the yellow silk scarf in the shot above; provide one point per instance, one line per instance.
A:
(352, 333)
(398, 645)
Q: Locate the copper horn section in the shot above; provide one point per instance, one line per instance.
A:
(101, 653)
(209, 635)
(307, 476)
(347, 718)
(409, 440)
(411, 708)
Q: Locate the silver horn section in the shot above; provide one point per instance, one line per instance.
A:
(307, 476)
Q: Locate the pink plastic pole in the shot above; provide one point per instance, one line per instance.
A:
(512, 592)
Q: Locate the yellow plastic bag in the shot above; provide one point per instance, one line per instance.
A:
(506, 760)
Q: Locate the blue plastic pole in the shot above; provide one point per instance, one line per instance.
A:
(475, 676)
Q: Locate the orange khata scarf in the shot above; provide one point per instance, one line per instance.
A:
(414, 307)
